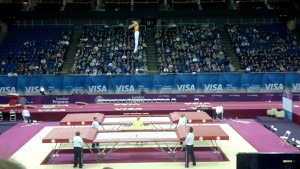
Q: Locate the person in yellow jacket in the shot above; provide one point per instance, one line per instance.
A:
(136, 28)
(138, 122)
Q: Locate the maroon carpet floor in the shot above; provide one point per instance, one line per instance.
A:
(13, 139)
(138, 155)
(259, 137)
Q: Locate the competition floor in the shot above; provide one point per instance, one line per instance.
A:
(244, 136)
(38, 151)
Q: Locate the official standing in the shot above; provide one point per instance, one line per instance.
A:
(189, 148)
(26, 115)
(219, 113)
(182, 122)
(96, 125)
(78, 154)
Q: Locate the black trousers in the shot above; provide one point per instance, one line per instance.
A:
(78, 157)
(216, 115)
(27, 118)
(189, 151)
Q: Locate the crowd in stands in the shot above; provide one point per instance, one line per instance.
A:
(34, 50)
(191, 49)
(265, 47)
(103, 50)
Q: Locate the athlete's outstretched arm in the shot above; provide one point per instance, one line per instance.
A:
(132, 25)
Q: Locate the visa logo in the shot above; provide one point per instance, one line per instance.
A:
(97, 88)
(32, 89)
(125, 88)
(213, 87)
(274, 86)
(187, 87)
(7, 90)
(296, 86)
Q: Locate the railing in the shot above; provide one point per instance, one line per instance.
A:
(50, 1)
(202, 73)
(41, 25)
(212, 1)
(124, 26)
(184, 1)
(175, 27)
(196, 1)
(251, 1)
(242, 21)
(261, 23)
(80, 1)
(129, 1)
(118, 1)
(146, 1)
(11, 1)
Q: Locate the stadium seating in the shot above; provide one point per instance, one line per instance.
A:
(34, 49)
(105, 50)
(265, 47)
(190, 48)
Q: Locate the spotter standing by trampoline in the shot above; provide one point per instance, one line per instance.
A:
(78, 154)
(189, 148)
(182, 122)
(96, 125)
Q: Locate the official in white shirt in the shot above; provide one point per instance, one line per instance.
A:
(78, 154)
(26, 115)
(189, 148)
(96, 125)
(219, 112)
(182, 122)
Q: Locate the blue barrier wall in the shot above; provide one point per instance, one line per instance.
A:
(122, 84)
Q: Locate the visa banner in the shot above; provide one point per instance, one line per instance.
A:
(170, 83)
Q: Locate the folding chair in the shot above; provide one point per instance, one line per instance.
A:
(173, 100)
(12, 115)
(297, 144)
(285, 137)
(1, 116)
